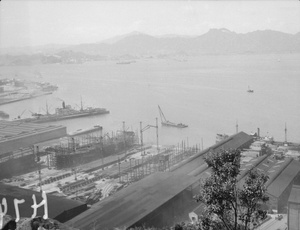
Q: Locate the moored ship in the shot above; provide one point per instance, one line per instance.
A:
(65, 112)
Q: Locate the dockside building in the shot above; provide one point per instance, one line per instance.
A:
(17, 140)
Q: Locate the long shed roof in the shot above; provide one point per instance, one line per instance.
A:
(295, 194)
(14, 130)
(141, 198)
(284, 179)
(15, 134)
(56, 205)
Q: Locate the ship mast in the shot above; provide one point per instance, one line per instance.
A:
(47, 110)
(285, 135)
(81, 106)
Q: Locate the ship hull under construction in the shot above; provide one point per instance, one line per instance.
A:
(18, 166)
(79, 157)
(83, 148)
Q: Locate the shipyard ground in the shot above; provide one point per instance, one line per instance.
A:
(104, 170)
(274, 223)
(163, 191)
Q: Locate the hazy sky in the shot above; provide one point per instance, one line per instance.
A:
(25, 23)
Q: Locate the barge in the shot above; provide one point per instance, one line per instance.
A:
(165, 122)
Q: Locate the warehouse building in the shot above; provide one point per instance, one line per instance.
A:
(15, 135)
(165, 198)
(294, 209)
(158, 200)
(16, 144)
(58, 208)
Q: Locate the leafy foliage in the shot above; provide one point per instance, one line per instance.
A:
(229, 203)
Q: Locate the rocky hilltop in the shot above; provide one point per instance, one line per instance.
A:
(138, 45)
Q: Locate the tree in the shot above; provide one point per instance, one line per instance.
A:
(229, 203)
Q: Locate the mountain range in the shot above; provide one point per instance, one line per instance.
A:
(215, 41)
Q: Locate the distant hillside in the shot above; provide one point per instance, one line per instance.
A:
(215, 41)
(136, 45)
(63, 57)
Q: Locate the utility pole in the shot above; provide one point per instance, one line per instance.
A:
(74, 160)
(81, 106)
(237, 126)
(101, 146)
(119, 169)
(48, 161)
(187, 142)
(141, 131)
(37, 159)
(124, 134)
(157, 135)
(130, 169)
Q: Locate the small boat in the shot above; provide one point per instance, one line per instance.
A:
(165, 122)
(123, 62)
(250, 90)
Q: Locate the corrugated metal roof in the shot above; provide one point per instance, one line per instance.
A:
(236, 141)
(14, 130)
(56, 205)
(277, 187)
(274, 169)
(295, 194)
(134, 202)
(141, 198)
(16, 135)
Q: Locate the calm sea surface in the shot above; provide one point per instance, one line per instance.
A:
(209, 93)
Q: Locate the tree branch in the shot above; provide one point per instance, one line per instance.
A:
(224, 222)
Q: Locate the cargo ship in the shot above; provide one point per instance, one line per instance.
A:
(64, 113)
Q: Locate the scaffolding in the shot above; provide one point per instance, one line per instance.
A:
(89, 145)
(137, 169)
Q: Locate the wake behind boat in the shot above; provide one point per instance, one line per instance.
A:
(65, 112)
(165, 122)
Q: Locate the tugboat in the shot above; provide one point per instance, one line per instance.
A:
(165, 122)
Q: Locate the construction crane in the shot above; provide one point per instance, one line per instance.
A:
(165, 122)
(19, 117)
(162, 116)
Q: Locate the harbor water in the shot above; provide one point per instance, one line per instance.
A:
(208, 93)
